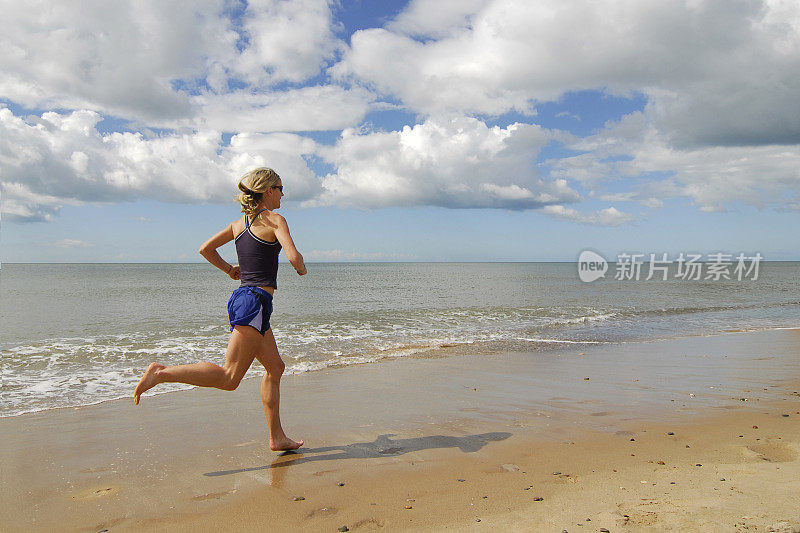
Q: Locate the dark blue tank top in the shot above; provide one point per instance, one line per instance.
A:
(258, 259)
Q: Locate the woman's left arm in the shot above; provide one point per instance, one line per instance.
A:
(209, 252)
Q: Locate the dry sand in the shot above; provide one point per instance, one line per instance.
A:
(683, 435)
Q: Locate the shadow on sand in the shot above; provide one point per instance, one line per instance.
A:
(382, 446)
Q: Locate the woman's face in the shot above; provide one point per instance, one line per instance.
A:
(274, 196)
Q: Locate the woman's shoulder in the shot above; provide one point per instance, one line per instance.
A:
(273, 219)
(238, 225)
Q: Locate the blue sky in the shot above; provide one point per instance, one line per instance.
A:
(480, 130)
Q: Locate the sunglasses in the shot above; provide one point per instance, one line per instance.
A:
(279, 187)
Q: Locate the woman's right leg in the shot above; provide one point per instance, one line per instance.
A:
(244, 343)
(270, 394)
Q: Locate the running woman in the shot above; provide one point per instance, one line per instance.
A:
(259, 236)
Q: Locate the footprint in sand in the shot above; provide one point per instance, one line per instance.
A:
(774, 452)
(93, 470)
(368, 523)
(108, 524)
(323, 472)
(213, 495)
(324, 511)
(95, 493)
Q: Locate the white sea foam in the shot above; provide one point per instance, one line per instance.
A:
(558, 341)
(74, 369)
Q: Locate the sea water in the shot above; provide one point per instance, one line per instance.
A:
(77, 334)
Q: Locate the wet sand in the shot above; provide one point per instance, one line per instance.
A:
(686, 434)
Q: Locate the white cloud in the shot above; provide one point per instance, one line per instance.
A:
(58, 159)
(715, 178)
(721, 125)
(288, 41)
(115, 57)
(452, 161)
(714, 72)
(584, 168)
(20, 203)
(604, 217)
(323, 107)
(436, 19)
(340, 255)
(145, 60)
(72, 243)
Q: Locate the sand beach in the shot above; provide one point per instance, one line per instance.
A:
(691, 434)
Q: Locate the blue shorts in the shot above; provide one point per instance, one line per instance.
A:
(250, 306)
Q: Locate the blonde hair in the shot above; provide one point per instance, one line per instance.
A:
(253, 185)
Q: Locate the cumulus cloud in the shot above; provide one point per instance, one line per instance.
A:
(146, 60)
(286, 41)
(19, 203)
(715, 73)
(721, 125)
(610, 216)
(322, 107)
(56, 159)
(436, 19)
(715, 178)
(115, 57)
(452, 161)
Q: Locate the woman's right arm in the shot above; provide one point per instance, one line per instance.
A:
(209, 252)
(294, 257)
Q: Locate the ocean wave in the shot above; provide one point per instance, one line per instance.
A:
(74, 371)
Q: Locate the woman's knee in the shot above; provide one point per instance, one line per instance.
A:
(231, 381)
(276, 369)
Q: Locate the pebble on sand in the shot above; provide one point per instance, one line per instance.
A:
(661, 462)
(604, 530)
(408, 507)
(340, 484)
(671, 433)
(298, 499)
(538, 499)
(344, 528)
(462, 480)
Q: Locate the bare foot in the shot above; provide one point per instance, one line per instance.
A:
(147, 382)
(284, 444)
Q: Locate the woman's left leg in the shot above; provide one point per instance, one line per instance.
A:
(244, 343)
